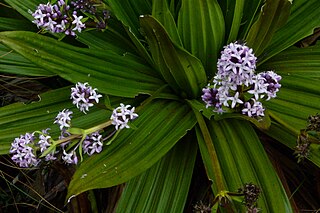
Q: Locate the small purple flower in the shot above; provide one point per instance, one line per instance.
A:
(70, 158)
(235, 99)
(23, 151)
(254, 109)
(77, 21)
(63, 119)
(92, 144)
(83, 96)
(44, 144)
(271, 82)
(121, 116)
(210, 97)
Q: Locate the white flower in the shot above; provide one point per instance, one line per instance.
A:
(63, 118)
(235, 100)
(78, 23)
(70, 158)
(83, 96)
(121, 116)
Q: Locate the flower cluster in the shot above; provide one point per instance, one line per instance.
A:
(57, 19)
(23, 151)
(63, 119)
(309, 135)
(93, 144)
(27, 148)
(251, 194)
(84, 96)
(236, 85)
(64, 18)
(121, 116)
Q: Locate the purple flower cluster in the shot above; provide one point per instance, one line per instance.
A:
(27, 148)
(122, 115)
(85, 6)
(235, 76)
(84, 96)
(23, 151)
(64, 18)
(56, 18)
(92, 144)
(63, 119)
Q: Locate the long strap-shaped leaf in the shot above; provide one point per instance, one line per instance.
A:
(304, 62)
(160, 125)
(296, 101)
(161, 11)
(304, 18)
(13, 63)
(201, 28)
(274, 13)
(164, 187)
(24, 6)
(244, 160)
(180, 69)
(128, 11)
(119, 75)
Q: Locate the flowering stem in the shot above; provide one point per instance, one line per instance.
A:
(63, 140)
(217, 174)
(98, 127)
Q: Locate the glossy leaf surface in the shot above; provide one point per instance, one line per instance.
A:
(180, 69)
(274, 13)
(134, 151)
(202, 30)
(119, 75)
(164, 187)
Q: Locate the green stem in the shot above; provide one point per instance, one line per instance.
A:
(98, 127)
(218, 176)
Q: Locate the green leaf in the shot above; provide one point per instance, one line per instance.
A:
(179, 68)
(296, 100)
(19, 118)
(237, 15)
(304, 62)
(15, 24)
(200, 107)
(164, 187)
(13, 63)
(134, 151)
(301, 23)
(201, 28)
(24, 6)
(261, 123)
(274, 13)
(113, 38)
(244, 160)
(288, 138)
(251, 11)
(119, 75)
(161, 11)
(233, 13)
(128, 11)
